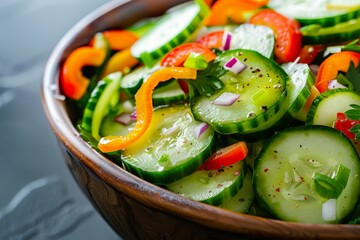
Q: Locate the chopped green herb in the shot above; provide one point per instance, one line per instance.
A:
(207, 81)
(351, 78)
(352, 46)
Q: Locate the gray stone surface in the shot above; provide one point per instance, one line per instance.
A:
(30, 161)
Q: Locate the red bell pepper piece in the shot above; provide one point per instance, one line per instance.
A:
(177, 56)
(344, 124)
(212, 39)
(226, 156)
(309, 52)
(288, 38)
(329, 69)
(72, 82)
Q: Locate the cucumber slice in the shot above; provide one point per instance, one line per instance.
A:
(132, 81)
(172, 29)
(324, 108)
(168, 94)
(254, 37)
(244, 198)
(170, 148)
(285, 168)
(300, 87)
(110, 127)
(342, 32)
(103, 99)
(262, 102)
(323, 13)
(211, 186)
(143, 26)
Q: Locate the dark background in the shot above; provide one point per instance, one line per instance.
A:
(39, 199)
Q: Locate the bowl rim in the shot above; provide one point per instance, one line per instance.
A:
(139, 189)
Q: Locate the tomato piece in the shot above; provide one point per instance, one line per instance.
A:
(177, 56)
(73, 83)
(232, 11)
(118, 39)
(288, 38)
(309, 52)
(226, 156)
(212, 39)
(344, 124)
(329, 69)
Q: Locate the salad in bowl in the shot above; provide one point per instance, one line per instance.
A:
(252, 106)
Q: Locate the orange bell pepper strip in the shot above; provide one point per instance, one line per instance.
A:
(121, 61)
(73, 83)
(144, 107)
(118, 39)
(177, 56)
(225, 11)
(329, 69)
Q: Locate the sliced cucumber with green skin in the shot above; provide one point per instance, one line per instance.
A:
(143, 26)
(171, 30)
(133, 80)
(262, 101)
(342, 32)
(211, 186)
(300, 87)
(285, 168)
(170, 149)
(324, 13)
(254, 37)
(109, 127)
(168, 94)
(325, 107)
(244, 198)
(103, 99)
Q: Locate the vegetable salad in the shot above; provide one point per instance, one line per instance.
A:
(248, 105)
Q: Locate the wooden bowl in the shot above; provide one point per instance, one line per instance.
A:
(135, 208)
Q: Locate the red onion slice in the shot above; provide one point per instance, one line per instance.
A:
(335, 84)
(123, 118)
(133, 115)
(226, 99)
(226, 40)
(200, 129)
(234, 65)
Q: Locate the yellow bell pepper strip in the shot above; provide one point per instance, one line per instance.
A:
(144, 107)
(118, 39)
(121, 61)
(73, 83)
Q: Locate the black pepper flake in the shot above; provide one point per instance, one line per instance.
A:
(264, 107)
